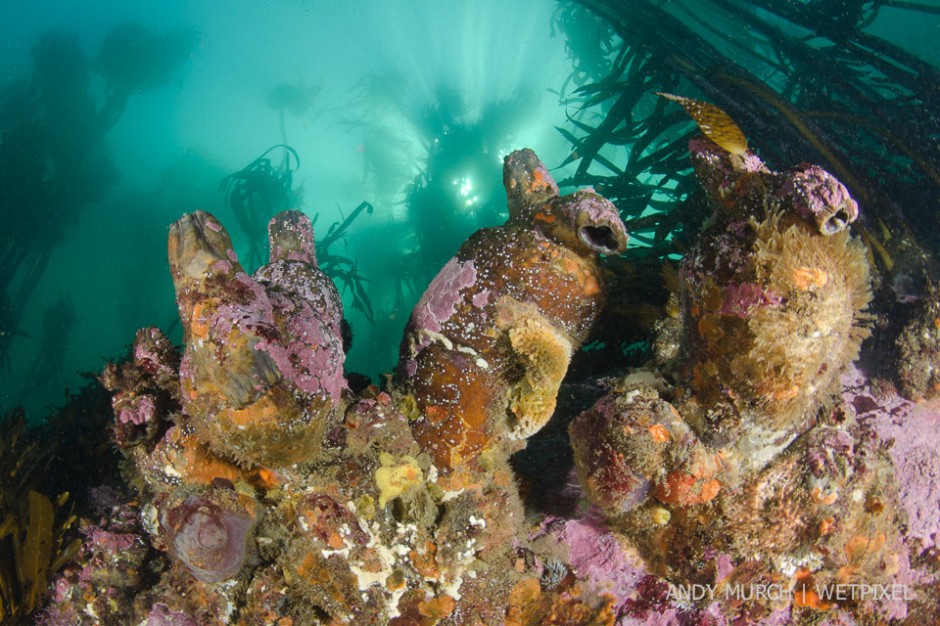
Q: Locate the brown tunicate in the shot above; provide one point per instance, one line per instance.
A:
(489, 342)
(262, 373)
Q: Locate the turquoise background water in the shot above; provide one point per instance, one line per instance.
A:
(384, 83)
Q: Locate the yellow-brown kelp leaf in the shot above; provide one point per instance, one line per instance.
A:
(713, 122)
(37, 549)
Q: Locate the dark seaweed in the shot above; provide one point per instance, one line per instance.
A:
(52, 158)
(804, 80)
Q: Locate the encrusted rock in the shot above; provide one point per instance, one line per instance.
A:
(488, 344)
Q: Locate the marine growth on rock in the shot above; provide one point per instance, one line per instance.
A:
(273, 495)
(750, 459)
(262, 372)
(489, 343)
(748, 471)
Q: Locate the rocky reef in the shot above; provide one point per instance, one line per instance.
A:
(747, 468)
(750, 475)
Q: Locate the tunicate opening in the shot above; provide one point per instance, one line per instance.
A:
(836, 222)
(600, 238)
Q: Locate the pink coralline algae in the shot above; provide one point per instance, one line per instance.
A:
(911, 434)
(440, 301)
(739, 299)
(595, 554)
(136, 411)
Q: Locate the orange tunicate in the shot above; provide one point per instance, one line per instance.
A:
(808, 598)
(806, 278)
(786, 394)
(425, 561)
(683, 489)
(698, 382)
(860, 546)
(261, 412)
(437, 608)
(803, 593)
(198, 325)
(824, 499)
(710, 489)
(659, 433)
(268, 478)
(709, 328)
(589, 284)
(524, 603)
(774, 389)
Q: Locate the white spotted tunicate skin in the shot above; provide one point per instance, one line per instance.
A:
(489, 342)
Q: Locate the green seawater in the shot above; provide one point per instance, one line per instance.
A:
(116, 118)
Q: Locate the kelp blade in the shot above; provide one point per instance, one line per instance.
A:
(37, 549)
(713, 122)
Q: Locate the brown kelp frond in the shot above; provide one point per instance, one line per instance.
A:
(713, 122)
(53, 162)
(23, 460)
(338, 230)
(344, 269)
(33, 528)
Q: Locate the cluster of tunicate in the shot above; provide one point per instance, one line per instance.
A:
(748, 456)
(262, 373)
(269, 493)
(771, 304)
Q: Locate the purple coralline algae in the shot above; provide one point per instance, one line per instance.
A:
(911, 434)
